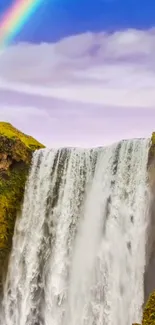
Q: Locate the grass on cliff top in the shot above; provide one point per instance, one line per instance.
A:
(7, 130)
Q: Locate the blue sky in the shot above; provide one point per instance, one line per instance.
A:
(56, 19)
(74, 83)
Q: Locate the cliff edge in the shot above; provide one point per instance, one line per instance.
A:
(16, 150)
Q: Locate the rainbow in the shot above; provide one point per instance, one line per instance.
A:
(14, 19)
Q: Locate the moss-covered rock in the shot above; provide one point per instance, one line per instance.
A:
(151, 156)
(16, 150)
(149, 311)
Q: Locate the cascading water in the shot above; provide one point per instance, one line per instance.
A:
(78, 255)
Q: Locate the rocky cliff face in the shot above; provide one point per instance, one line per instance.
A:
(16, 151)
(151, 163)
(149, 279)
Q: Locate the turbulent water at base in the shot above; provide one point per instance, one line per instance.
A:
(78, 255)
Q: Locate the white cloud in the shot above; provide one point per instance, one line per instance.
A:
(61, 83)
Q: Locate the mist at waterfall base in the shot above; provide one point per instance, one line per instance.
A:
(78, 255)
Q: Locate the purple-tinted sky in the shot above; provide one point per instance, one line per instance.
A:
(88, 89)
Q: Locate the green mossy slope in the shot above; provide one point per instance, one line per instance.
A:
(16, 150)
(149, 311)
(17, 143)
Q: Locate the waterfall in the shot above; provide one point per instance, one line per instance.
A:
(78, 255)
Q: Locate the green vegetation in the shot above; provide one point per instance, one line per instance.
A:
(149, 311)
(151, 154)
(153, 138)
(7, 130)
(12, 187)
(17, 144)
(16, 150)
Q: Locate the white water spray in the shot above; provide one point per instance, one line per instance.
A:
(78, 254)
